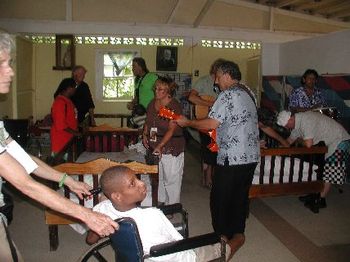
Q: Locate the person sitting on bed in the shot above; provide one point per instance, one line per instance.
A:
(124, 191)
(312, 128)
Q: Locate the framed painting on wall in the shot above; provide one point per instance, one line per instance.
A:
(166, 58)
(65, 52)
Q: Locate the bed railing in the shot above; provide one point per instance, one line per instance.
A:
(298, 177)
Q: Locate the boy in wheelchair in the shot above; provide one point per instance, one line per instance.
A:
(124, 191)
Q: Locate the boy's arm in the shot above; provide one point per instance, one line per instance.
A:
(92, 237)
(166, 227)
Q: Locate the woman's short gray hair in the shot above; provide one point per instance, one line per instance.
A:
(6, 43)
(231, 68)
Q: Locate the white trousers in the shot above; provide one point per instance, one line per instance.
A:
(171, 170)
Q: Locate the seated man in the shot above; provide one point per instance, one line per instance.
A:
(124, 191)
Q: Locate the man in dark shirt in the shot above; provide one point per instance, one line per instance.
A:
(82, 98)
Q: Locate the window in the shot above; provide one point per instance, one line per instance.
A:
(117, 78)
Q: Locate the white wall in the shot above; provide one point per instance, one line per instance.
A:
(327, 54)
(270, 60)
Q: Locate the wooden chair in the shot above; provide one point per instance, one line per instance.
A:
(105, 138)
(95, 167)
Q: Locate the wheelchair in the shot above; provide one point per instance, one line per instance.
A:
(127, 246)
(18, 130)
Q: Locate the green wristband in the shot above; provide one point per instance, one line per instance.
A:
(61, 183)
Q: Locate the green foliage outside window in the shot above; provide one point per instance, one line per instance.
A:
(118, 79)
(118, 88)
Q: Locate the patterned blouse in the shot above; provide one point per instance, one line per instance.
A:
(237, 134)
(299, 98)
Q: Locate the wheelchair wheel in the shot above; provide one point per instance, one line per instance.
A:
(101, 251)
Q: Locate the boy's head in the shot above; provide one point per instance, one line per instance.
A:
(122, 187)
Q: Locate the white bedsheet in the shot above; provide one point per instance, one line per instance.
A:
(276, 177)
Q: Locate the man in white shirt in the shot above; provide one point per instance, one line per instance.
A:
(312, 128)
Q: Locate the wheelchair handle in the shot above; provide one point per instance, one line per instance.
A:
(94, 191)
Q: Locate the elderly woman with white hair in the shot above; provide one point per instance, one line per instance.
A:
(16, 165)
(312, 128)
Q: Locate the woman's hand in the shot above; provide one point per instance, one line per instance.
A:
(158, 150)
(182, 121)
(92, 121)
(100, 223)
(79, 188)
(145, 141)
(263, 144)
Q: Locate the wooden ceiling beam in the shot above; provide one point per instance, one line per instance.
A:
(202, 13)
(173, 12)
(312, 5)
(333, 7)
(280, 4)
(341, 14)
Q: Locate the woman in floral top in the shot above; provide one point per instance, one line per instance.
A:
(307, 96)
(234, 116)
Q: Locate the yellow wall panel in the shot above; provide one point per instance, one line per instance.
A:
(187, 11)
(6, 105)
(236, 16)
(150, 11)
(38, 9)
(24, 83)
(189, 59)
(25, 106)
(46, 80)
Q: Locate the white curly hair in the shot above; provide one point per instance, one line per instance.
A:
(6, 43)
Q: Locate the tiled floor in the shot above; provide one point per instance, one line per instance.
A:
(278, 229)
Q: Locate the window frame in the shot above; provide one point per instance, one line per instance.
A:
(99, 65)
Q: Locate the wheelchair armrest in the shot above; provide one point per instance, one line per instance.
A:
(171, 209)
(184, 244)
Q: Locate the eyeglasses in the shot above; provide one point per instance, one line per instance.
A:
(158, 89)
(216, 88)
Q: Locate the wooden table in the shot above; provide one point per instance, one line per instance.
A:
(151, 180)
